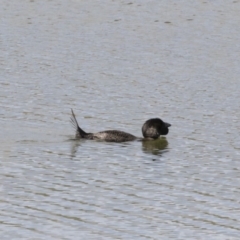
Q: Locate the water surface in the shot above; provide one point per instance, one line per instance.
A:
(118, 63)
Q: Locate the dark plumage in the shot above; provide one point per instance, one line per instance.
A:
(152, 128)
(155, 127)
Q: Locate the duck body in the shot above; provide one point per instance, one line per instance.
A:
(111, 136)
(151, 129)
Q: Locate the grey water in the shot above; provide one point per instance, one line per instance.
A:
(117, 64)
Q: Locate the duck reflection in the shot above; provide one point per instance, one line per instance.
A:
(155, 147)
(74, 147)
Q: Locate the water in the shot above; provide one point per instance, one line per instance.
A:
(118, 63)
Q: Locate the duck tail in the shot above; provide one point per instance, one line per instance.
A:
(79, 132)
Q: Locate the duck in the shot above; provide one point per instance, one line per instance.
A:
(152, 129)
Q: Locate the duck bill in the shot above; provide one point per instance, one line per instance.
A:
(167, 124)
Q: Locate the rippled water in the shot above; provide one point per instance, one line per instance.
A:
(118, 63)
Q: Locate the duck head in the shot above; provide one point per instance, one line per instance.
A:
(155, 127)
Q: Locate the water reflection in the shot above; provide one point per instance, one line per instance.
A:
(75, 143)
(155, 147)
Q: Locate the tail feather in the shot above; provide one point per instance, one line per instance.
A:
(79, 132)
